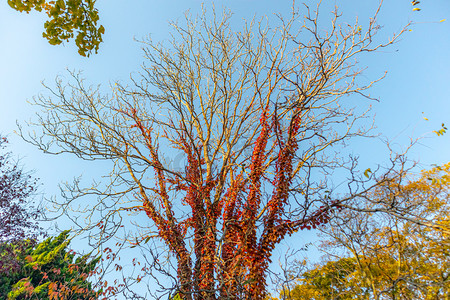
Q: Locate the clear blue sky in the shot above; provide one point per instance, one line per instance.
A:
(417, 81)
(418, 68)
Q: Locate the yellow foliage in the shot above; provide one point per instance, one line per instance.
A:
(389, 257)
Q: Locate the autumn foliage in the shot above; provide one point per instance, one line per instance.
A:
(245, 253)
(387, 257)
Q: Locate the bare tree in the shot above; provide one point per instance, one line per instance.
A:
(259, 116)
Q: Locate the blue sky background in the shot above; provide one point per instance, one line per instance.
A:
(417, 80)
(418, 67)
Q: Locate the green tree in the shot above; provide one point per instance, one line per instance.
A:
(67, 19)
(50, 271)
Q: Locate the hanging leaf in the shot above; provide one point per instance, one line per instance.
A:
(441, 131)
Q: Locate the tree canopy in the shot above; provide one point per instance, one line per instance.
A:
(67, 19)
(16, 188)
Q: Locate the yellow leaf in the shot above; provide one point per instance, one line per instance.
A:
(416, 9)
(443, 20)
